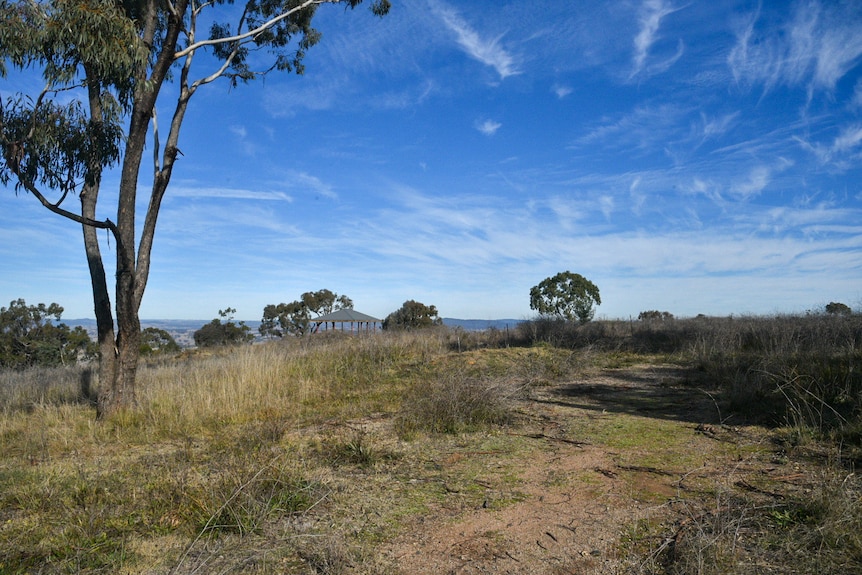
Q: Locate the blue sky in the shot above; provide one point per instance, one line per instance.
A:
(700, 157)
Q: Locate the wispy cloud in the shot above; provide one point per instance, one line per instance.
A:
(606, 205)
(316, 94)
(647, 127)
(561, 91)
(842, 152)
(856, 100)
(488, 127)
(405, 98)
(716, 126)
(307, 181)
(485, 50)
(445, 236)
(652, 13)
(849, 139)
(815, 48)
(228, 193)
(758, 178)
(706, 188)
(247, 146)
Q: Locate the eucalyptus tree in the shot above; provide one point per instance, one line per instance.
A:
(106, 64)
(221, 332)
(567, 296)
(412, 315)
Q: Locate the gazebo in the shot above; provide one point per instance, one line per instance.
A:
(346, 315)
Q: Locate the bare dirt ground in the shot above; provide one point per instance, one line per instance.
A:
(642, 443)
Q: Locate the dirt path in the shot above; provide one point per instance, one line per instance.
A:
(585, 486)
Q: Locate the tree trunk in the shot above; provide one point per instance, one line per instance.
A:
(101, 305)
(118, 391)
(101, 300)
(123, 394)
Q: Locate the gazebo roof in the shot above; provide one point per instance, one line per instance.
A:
(345, 315)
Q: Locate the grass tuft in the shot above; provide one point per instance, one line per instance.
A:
(453, 402)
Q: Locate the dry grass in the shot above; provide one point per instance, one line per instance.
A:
(245, 460)
(816, 529)
(205, 456)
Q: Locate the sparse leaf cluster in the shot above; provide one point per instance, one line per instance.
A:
(155, 341)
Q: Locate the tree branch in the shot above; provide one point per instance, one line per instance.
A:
(155, 143)
(105, 225)
(251, 33)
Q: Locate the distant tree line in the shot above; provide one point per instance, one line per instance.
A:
(297, 318)
(32, 335)
(29, 336)
(655, 315)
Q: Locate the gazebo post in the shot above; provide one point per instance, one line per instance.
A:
(356, 319)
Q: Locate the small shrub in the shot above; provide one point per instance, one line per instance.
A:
(453, 403)
(239, 502)
(354, 448)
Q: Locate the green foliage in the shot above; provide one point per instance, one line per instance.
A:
(29, 337)
(412, 315)
(285, 318)
(156, 341)
(324, 301)
(276, 39)
(566, 295)
(61, 36)
(835, 308)
(219, 333)
(53, 144)
(294, 318)
(655, 315)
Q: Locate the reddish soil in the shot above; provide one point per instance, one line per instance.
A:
(577, 498)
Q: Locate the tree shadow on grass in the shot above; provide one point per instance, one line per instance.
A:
(663, 392)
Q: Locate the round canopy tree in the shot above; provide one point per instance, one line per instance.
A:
(566, 295)
(412, 315)
(837, 308)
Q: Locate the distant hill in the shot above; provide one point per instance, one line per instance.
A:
(480, 324)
